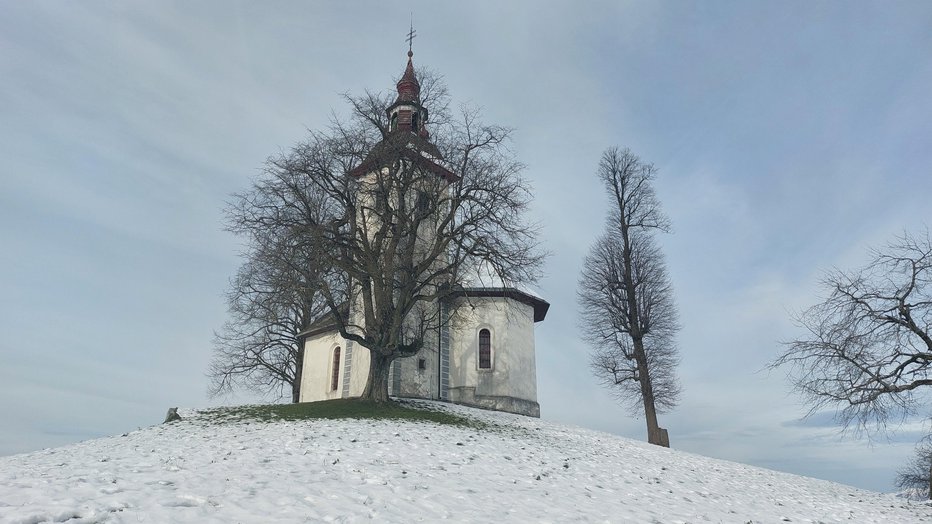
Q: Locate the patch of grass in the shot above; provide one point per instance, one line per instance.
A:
(335, 409)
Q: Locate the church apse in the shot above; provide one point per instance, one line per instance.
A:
(504, 376)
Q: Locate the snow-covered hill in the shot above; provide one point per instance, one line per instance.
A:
(518, 470)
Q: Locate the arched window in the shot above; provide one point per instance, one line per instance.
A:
(394, 123)
(415, 121)
(485, 349)
(335, 378)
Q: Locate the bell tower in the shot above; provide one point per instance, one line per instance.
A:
(407, 134)
(407, 113)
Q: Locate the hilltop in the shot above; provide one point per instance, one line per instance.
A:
(454, 463)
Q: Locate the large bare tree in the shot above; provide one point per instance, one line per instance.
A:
(276, 293)
(626, 300)
(399, 220)
(867, 350)
(274, 296)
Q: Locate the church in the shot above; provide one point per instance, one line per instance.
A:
(483, 357)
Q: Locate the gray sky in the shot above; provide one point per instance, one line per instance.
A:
(789, 138)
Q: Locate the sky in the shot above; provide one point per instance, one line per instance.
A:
(789, 138)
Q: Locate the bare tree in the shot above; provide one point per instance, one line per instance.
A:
(626, 299)
(397, 220)
(273, 298)
(916, 476)
(867, 351)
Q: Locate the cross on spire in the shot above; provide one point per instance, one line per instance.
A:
(411, 35)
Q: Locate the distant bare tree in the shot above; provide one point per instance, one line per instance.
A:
(868, 350)
(625, 297)
(916, 476)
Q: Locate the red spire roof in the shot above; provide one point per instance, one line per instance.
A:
(408, 87)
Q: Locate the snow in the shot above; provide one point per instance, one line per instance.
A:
(518, 470)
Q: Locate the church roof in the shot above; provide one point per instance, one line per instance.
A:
(408, 145)
(325, 323)
(403, 142)
(409, 89)
(540, 305)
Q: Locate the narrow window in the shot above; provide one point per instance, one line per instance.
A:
(335, 379)
(414, 122)
(485, 349)
(422, 205)
(394, 124)
(421, 364)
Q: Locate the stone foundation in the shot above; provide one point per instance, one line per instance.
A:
(467, 396)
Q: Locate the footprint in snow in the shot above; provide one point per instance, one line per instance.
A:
(184, 501)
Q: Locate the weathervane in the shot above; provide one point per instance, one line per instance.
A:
(411, 35)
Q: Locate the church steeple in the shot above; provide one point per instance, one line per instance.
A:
(407, 114)
(407, 133)
(409, 89)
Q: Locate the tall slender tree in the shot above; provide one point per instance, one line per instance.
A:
(627, 311)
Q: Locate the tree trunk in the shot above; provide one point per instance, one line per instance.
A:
(298, 368)
(654, 433)
(377, 385)
(296, 391)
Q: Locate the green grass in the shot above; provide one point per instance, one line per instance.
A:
(335, 409)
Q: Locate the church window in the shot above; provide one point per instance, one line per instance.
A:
(335, 378)
(381, 201)
(485, 349)
(394, 124)
(422, 204)
(414, 121)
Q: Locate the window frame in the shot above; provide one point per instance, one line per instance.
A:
(335, 357)
(490, 349)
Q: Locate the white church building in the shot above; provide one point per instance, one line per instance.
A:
(484, 356)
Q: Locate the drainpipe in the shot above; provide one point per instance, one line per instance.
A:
(439, 349)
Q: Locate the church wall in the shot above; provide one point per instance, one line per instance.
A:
(416, 382)
(359, 372)
(317, 372)
(511, 384)
(409, 380)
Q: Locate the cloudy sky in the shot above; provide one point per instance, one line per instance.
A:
(789, 138)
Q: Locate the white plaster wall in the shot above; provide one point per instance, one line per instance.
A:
(359, 372)
(317, 371)
(316, 374)
(514, 365)
(416, 382)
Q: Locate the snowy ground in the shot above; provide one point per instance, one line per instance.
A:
(521, 470)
